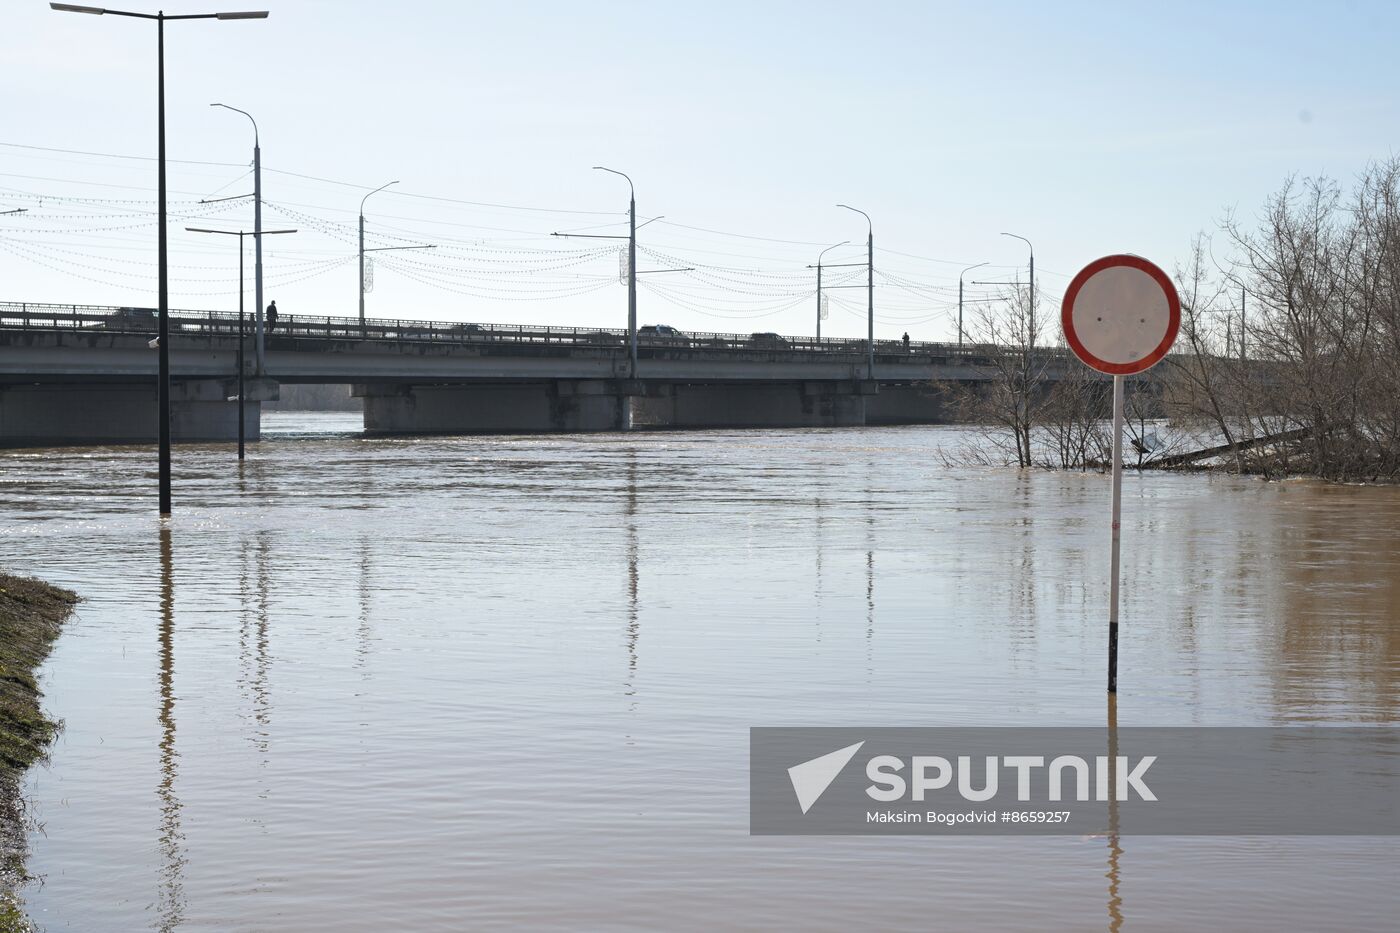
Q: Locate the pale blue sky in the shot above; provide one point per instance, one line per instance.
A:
(1088, 127)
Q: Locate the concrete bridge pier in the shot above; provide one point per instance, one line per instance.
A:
(608, 405)
(483, 408)
(127, 413)
(836, 403)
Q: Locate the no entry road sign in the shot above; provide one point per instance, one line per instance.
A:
(1120, 315)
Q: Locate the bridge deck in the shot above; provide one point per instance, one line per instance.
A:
(50, 342)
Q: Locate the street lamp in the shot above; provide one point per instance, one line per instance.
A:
(258, 352)
(362, 251)
(241, 339)
(870, 289)
(162, 267)
(631, 268)
(819, 285)
(960, 298)
(1030, 334)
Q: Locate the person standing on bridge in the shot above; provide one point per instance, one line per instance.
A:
(906, 341)
(271, 316)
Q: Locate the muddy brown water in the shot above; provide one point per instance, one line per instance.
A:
(507, 682)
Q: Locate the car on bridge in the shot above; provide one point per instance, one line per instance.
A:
(141, 320)
(471, 331)
(769, 340)
(600, 338)
(662, 333)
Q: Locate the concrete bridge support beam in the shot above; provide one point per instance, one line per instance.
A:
(81, 413)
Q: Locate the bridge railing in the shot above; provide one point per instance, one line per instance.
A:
(132, 320)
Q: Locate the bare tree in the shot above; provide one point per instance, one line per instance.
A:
(1072, 419)
(1195, 375)
(1007, 401)
(1313, 321)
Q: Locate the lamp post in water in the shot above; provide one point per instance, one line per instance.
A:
(241, 338)
(162, 265)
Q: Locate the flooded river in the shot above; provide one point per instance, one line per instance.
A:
(506, 682)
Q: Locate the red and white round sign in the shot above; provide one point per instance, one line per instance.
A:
(1120, 315)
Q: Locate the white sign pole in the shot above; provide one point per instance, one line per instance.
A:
(1117, 516)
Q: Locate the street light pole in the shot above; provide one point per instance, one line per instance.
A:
(870, 291)
(162, 265)
(258, 350)
(163, 293)
(241, 339)
(819, 285)
(362, 251)
(242, 392)
(631, 270)
(1030, 335)
(960, 298)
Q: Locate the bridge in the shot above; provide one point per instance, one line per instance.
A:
(71, 373)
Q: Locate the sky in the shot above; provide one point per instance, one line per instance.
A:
(1088, 128)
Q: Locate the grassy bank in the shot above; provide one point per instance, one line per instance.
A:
(31, 614)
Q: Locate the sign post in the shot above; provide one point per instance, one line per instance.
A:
(1120, 315)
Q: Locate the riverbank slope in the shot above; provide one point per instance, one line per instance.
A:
(31, 615)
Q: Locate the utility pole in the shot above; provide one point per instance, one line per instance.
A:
(870, 302)
(632, 280)
(258, 306)
(869, 291)
(258, 353)
(960, 298)
(362, 251)
(819, 284)
(1030, 336)
(631, 270)
(242, 389)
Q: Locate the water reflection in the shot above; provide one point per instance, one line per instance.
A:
(363, 630)
(170, 906)
(260, 661)
(632, 555)
(819, 523)
(869, 581)
(1115, 848)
